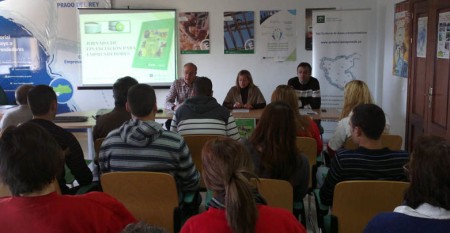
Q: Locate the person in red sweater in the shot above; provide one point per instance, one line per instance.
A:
(236, 205)
(29, 163)
(306, 127)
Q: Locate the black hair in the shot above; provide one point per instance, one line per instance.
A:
(30, 158)
(141, 99)
(120, 90)
(40, 99)
(370, 119)
(202, 86)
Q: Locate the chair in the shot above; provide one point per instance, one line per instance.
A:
(278, 193)
(195, 144)
(391, 141)
(151, 197)
(307, 146)
(5, 192)
(356, 202)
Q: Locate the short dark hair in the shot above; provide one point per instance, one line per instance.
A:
(40, 99)
(428, 173)
(141, 99)
(202, 86)
(30, 158)
(120, 90)
(21, 94)
(370, 119)
(305, 65)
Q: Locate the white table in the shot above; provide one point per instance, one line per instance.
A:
(87, 125)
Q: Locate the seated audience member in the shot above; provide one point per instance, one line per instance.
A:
(236, 205)
(201, 114)
(43, 105)
(306, 127)
(20, 114)
(371, 161)
(356, 92)
(114, 119)
(427, 200)
(30, 161)
(141, 144)
(274, 151)
(245, 94)
(308, 87)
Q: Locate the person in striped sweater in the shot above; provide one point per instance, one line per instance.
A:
(201, 114)
(141, 144)
(371, 160)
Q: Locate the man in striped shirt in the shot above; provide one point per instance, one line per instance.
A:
(141, 144)
(201, 114)
(371, 161)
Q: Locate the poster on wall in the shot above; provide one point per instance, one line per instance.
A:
(422, 37)
(194, 32)
(278, 38)
(308, 26)
(239, 32)
(402, 22)
(340, 51)
(443, 43)
(39, 45)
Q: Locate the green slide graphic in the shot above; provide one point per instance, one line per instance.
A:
(154, 44)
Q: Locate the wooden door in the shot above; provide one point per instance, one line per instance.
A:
(429, 85)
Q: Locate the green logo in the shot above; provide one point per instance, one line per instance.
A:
(120, 27)
(321, 19)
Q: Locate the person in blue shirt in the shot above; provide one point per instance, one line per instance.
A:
(427, 200)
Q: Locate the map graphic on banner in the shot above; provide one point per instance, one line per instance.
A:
(340, 52)
(340, 70)
(39, 45)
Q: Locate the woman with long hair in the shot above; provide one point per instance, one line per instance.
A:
(306, 127)
(244, 94)
(427, 199)
(356, 92)
(274, 151)
(236, 205)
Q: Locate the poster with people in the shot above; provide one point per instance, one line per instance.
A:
(443, 43)
(402, 22)
(278, 35)
(194, 32)
(239, 32)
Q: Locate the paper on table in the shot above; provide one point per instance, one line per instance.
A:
(240, 110)
(305, 111)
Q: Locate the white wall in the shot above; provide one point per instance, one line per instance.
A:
(389, 91)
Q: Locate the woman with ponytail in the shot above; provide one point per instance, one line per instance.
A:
(236, 206)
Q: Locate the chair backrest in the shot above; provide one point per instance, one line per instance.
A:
(195, 144)
(309, 147)
(5, 192)
(97, 144)
(391, 141)
(278, 193)
(356, 202)
(151, 197)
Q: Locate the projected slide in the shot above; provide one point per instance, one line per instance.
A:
(136, 43)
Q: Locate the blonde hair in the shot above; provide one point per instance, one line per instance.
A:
(356, 92)
(287, 94)
(227, 169)
(246, 74)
